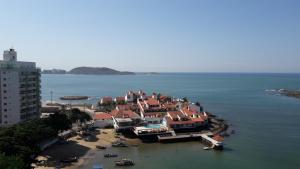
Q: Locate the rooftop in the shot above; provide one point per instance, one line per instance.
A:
(124, 114)
(102, 116)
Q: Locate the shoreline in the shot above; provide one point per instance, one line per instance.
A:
(80, 148)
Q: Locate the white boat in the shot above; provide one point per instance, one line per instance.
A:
(207, 148)
(98, 166)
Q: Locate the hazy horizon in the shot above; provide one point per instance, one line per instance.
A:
(259, 36)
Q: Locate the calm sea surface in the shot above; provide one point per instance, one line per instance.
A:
(267, 126)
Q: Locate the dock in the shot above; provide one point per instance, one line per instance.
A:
(214, 143)
(175, 137)
(195, 136)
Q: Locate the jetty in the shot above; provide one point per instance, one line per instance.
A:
(74, 98)
(205, 138)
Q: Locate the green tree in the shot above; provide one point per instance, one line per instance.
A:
(75, 114)
(11, 162)
(59, 121)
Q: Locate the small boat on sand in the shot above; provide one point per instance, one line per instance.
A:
(108, 155)
(100, 147)
(124, 162)
(119, 144)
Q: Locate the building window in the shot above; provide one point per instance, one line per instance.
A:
(4, 91)
(5, 104)
(5, 116)
(5, 110)
(4, 85)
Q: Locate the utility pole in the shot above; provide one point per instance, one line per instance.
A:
(51, 94)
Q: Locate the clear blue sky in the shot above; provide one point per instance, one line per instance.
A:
(155, 35)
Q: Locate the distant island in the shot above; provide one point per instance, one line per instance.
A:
(89, 71)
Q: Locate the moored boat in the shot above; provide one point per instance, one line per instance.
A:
(100, 147)
(108, 155)
(119, 144)
(98, 166)
(207, 148)
(124, 162)
(70, 160)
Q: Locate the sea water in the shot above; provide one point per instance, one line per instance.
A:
(267, 126)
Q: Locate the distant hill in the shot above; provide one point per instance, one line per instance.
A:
(98, 71)
(54, 71)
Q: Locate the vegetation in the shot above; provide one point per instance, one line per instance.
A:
(98, 71)
(19, 143)
(11, 162)
(106, 107)
(76, 115)
(185, 99)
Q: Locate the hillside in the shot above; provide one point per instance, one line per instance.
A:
(98, 71)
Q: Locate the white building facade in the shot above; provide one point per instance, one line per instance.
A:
(19, 90)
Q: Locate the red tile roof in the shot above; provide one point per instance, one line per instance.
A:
(120, 98)
(198, 119)
(106, 99)
(169, 105)
(152, 102)
(175, 114)
(124, 114)
(170, 121)
(123, 107)
(155, 114)
(173, 118)
(217, 137)
(102, 116)
(188, 112)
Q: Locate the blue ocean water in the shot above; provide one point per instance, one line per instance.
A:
(267, 126)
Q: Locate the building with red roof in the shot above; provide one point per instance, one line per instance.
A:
(102, 120)
(106, 100)
(125, 119)
(120, 100)
(181, 121)
(151, 110)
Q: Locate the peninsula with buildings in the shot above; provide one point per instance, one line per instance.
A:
(134, 119)
(161, 118)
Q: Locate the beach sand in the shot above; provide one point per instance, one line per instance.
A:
(79, 148)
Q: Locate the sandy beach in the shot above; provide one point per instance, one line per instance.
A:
(78, 147)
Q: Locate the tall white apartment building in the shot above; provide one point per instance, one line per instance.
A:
(19, 90)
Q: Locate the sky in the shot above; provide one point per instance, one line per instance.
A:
(155, 35)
